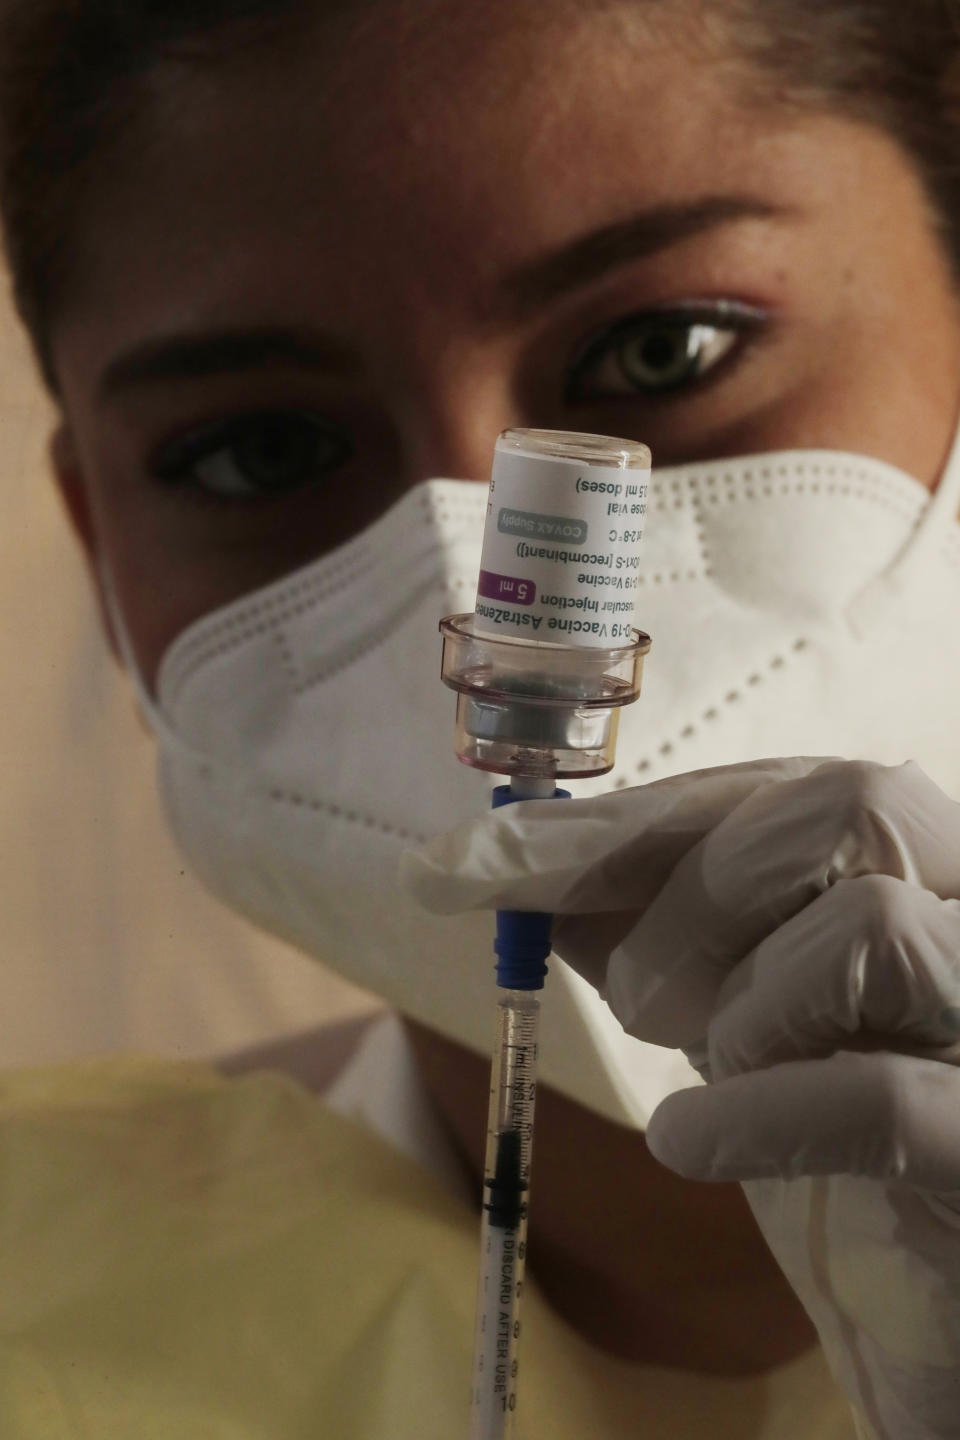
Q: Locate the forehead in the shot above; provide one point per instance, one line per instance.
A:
(406, 143)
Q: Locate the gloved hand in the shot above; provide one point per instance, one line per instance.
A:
(794, 927)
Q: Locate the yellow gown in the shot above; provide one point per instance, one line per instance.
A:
(190, 1257)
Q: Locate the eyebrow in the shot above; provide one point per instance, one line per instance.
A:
(188, 357)
(539, 281)
(520, 295)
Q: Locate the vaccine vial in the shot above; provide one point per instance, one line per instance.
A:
(551, 653)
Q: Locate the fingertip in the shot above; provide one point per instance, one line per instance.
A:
(678, 1140)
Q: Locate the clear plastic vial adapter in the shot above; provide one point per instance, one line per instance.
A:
(551, 655)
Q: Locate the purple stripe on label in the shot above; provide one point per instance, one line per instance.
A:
(506, 587)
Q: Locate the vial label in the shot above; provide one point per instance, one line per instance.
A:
(561, 551)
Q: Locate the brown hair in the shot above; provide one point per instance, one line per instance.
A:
(72, 79)
(73, 72)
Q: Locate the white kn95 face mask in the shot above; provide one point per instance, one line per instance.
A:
(799, 603)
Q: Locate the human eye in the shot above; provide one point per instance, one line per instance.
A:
(660, 351)
(258, 456)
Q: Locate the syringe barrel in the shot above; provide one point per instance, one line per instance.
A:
(504, 1226)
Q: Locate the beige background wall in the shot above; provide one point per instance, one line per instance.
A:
(105, 944)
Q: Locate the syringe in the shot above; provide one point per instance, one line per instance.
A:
(541, 670)
(503, 1234)
(523, 944)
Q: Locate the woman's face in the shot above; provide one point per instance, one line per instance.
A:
(327, 279)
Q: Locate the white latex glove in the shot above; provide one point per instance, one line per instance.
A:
(794, 926)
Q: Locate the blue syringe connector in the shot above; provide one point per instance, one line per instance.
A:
(524, 937)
